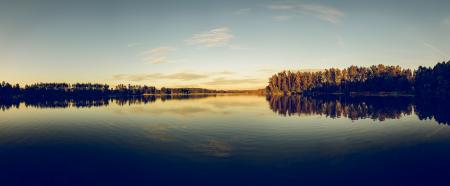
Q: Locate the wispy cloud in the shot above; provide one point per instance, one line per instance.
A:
(157, 55)
(224, 81)
(184, 76)
(282, 17)
(214, 80)
(326, 13)
(322, 12)
(217, 37)
(243, 11)
(238, 47)
(436, 49)
(226, 73)
(281, 7)
(136, 44)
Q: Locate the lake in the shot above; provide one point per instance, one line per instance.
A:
(225, 140)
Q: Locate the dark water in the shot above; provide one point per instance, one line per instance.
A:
(225, 140)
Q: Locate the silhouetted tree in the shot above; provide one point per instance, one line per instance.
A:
(351, 79)
(433, 82)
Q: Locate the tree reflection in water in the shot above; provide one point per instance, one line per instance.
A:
(438, 110)
(333, 106)
(360, 107)
(84, 102)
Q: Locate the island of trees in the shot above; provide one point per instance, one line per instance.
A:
(425, 81)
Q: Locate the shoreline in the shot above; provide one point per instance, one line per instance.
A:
(365, 93)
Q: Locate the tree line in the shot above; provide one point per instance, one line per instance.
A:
(433, 81)
(61, 90)
(377, 78)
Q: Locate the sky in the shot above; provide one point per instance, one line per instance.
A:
(228, 44)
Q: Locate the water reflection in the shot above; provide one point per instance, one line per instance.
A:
(332, 106)
(160, 131)
(6, 104)
(373, 107)
(433, 109)
(151, 138)
(215, 147)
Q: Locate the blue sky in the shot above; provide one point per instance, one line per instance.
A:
(212, 44)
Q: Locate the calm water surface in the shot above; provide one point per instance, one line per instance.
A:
(225, 140)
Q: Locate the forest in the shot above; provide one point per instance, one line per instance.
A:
(65, 90)
(425, 81)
